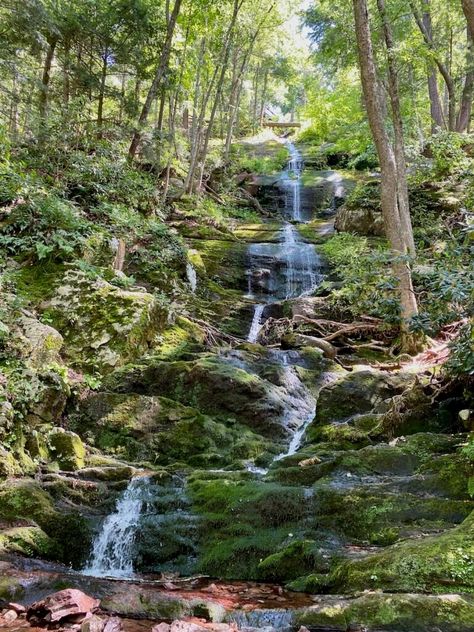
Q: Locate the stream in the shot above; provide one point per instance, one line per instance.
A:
(276, 272)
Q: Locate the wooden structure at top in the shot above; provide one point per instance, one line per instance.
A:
(280, 125)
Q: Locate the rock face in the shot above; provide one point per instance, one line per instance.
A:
(104, 326)
(40, 344)
(359, 220)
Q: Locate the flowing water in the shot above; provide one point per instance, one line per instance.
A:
(113, 548)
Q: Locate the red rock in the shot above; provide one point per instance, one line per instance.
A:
(9, 616)
(70, 604)
(161, 627)
(92, 623)
(113, 624)
(17, 607)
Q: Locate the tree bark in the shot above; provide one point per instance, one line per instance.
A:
(389, 193)
(103, 79)
(442, 67)
(159, 73)
(44, 89)
(399, 146)
(225, 62)
(464, 113)
(468, 8)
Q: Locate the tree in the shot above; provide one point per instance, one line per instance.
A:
(155, 86)
(395, 228)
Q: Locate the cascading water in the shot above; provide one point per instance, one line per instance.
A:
(286, 270)
(256, 323)
(112, 552)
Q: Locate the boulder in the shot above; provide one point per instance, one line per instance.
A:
(70, 605)
(104, 326)
(361, 391)
(68, 449)
(297, 341)
(40, 344)
(359, 220)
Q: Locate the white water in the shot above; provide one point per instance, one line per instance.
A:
(256, 323)
(112, 552)
(191, 276)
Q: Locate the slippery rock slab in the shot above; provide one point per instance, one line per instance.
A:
(358, 392)
(102, 325)
(148, 602)
(373, 611)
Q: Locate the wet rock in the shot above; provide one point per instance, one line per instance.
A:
(297, 341)
(70, 604)
(358, 392)
(68, 449)
(375, 611)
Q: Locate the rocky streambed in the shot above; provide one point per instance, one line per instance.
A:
(229, 466)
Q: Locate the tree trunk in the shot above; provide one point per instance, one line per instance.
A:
(224, 63)
(160, 71)
(103, 78)
(437, 116)
(400, 158)
(468, 8)
(389, 192)
(44, 90)
(263, 97)
(464, 114)
(442, 67)
(66, 71)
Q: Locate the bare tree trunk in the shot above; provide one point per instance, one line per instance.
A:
(44, 89)
(464, 113)
(437, 116)
(66, 71)
(400, 158)
(225, 62)
(263, 97)
(159, 73)
(442, 67)
(468, 8)
(389, 192)
(103, 79)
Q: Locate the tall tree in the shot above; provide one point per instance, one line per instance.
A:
(155, 86)
(394, 227)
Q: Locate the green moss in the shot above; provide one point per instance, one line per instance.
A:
(429, 564)
(400, 612)
(295, 560)
(67, 448)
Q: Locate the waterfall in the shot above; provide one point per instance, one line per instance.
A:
(113, 547)
(191, 276)
(297, 439)
(256, 326)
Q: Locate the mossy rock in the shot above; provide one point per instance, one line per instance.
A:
(245, 389)
(163, 431)
(391, 612)
(299, 558)
(28, 540)
(429, 564)
(25, 499)
(104, 326)
(67, 448)
(358, 392)
(9, 465)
